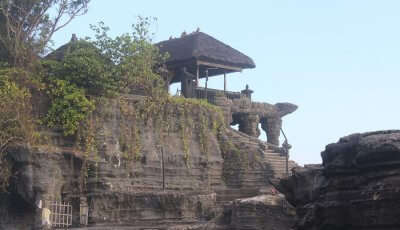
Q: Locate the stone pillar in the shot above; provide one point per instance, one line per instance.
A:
(272, 126)
(225, 104)
(188, 83)
(187, 88)
(249, 124)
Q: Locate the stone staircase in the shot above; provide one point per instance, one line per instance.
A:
(277, 164)
(274, 161)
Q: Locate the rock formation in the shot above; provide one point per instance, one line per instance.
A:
(144, 172)
(261, 212)
(356, 187)
(248, 115)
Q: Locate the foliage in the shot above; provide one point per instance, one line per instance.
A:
(85, 67)
(82, 71)
(16, 123)
(192, 117)
(101, 67)
(69, 106)
(134, 56)
(27, 26)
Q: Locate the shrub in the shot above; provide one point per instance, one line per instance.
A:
(83, 65)
(134, 56)
(105, 66)
(69, 106)
(16, 122)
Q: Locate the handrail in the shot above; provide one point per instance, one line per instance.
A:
(286, 147)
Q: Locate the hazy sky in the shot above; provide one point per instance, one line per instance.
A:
(337, 60)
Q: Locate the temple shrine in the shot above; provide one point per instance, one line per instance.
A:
(198, 56)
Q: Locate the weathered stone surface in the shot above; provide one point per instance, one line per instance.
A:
(363, 151)
(248, 115)
(357, 187)
(262, 212)
(130, 192)
(303, 186)
(285, 108)
(248, 123)
(272, 127)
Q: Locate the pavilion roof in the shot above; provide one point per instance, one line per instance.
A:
(199, 46)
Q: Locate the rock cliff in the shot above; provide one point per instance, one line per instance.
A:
(356, 187)
(140, 165)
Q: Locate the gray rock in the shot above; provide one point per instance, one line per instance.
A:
(129, 191)
(357, 187)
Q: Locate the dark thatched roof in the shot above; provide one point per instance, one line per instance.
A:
(62, 51)
(202, 47)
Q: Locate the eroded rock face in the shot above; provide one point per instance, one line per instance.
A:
(248, 115)
(366, 150)
(172, 181)
(262, 212)
(357, 187)
(272, 127)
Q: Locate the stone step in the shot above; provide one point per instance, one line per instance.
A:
(268, 161)
(275, 162)
(270, 153)
(274, 159)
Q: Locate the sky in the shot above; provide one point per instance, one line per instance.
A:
(338, 60)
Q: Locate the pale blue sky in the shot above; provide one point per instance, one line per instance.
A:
(337, 60)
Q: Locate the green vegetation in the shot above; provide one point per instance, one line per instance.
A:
(70, 82)
(86, 72)
(103, 67)
(69, 106)
(135, 58)
(165, 115)
(16, 124)
(79, 79)
(84, 66)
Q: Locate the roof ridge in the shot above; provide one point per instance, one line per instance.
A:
(181, 37)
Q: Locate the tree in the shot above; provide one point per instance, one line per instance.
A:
(82, 65)
(26, 26)
(136, 60)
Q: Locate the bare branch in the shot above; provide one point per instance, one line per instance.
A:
(36, 20)
(27, 27)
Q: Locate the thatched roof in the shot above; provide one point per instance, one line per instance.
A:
(74, 44)
(202, 47)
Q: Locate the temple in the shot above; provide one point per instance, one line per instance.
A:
(198, 55)
(127, 169)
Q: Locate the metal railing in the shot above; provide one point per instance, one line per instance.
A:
(60, 214)
(286, 206)
(286, 147)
